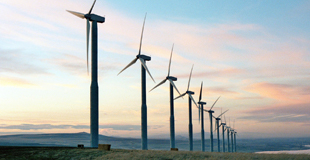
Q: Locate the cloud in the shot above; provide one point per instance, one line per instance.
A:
(9, 81)
(281, 92)
(18, 62)
(77, 65)
(35, 126)
(50, 126)
(299, 113)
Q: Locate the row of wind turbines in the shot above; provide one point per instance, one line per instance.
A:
(94, 100)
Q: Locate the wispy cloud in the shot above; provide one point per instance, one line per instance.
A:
(16, 82)
(20, 63)
(281, 92)
(50, 126)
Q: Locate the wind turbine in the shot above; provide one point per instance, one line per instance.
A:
(94, 100)
(232, 138)
(217, 129)
(201, 103)
(142, 59)
(228, 131)
(190, 99)
(234, 132)
(211, 127)
(172, 85)
(223, 132)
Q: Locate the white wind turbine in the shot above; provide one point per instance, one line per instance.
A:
(201, 103)
(217, 122)
(143, 59)
(211, 127)
(172, 85)
(94, 99)
(190, 99)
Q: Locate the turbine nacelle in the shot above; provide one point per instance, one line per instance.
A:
(172, 78)
(94, 17)
(223, 123)
(144, 57)
(217, 119)
(203, 103)
(190, 92)
(210, 111)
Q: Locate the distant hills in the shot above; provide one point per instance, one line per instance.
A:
(72, 139)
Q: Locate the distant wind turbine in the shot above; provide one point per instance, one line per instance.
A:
(232, 138)
(234, 132)
(223, 132)
(201, 103)
(227, 131)
(211, 127)
(218, 131)
(190, 99)
(142, 59)
(172, 85)
(94, 129)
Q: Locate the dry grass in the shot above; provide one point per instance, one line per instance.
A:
(75, 153)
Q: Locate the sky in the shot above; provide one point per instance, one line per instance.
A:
(254, 54)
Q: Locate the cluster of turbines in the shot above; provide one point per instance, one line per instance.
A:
(94, 129)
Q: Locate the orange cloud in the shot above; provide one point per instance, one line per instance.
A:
(16, 82)
(281, 92)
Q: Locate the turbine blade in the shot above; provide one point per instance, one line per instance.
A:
(225, 118)
(142, 34)
(145, 67)
(215, 102)
(180, 96)
(200, 92)
(193, 100)
(92, 7)
(87, 43)
(171, 82)
(131, 63)
(170, 60)
(81, 15)
(189, 80)
(213, 117)
(222, 113)
(162, 82)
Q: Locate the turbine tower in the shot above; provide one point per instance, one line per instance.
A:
(172, 85)
(94, 100)
(211, 127)
(218, 131)
(234, 132)
(144, 68)
(190, 99)
(223, 132)
(228, 131)
(201, 103)
(231, 138)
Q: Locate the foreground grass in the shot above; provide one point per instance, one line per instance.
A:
(75, 153)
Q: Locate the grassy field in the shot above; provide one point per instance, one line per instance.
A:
(75, 153)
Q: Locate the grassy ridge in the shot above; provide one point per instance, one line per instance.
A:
(75, 153)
